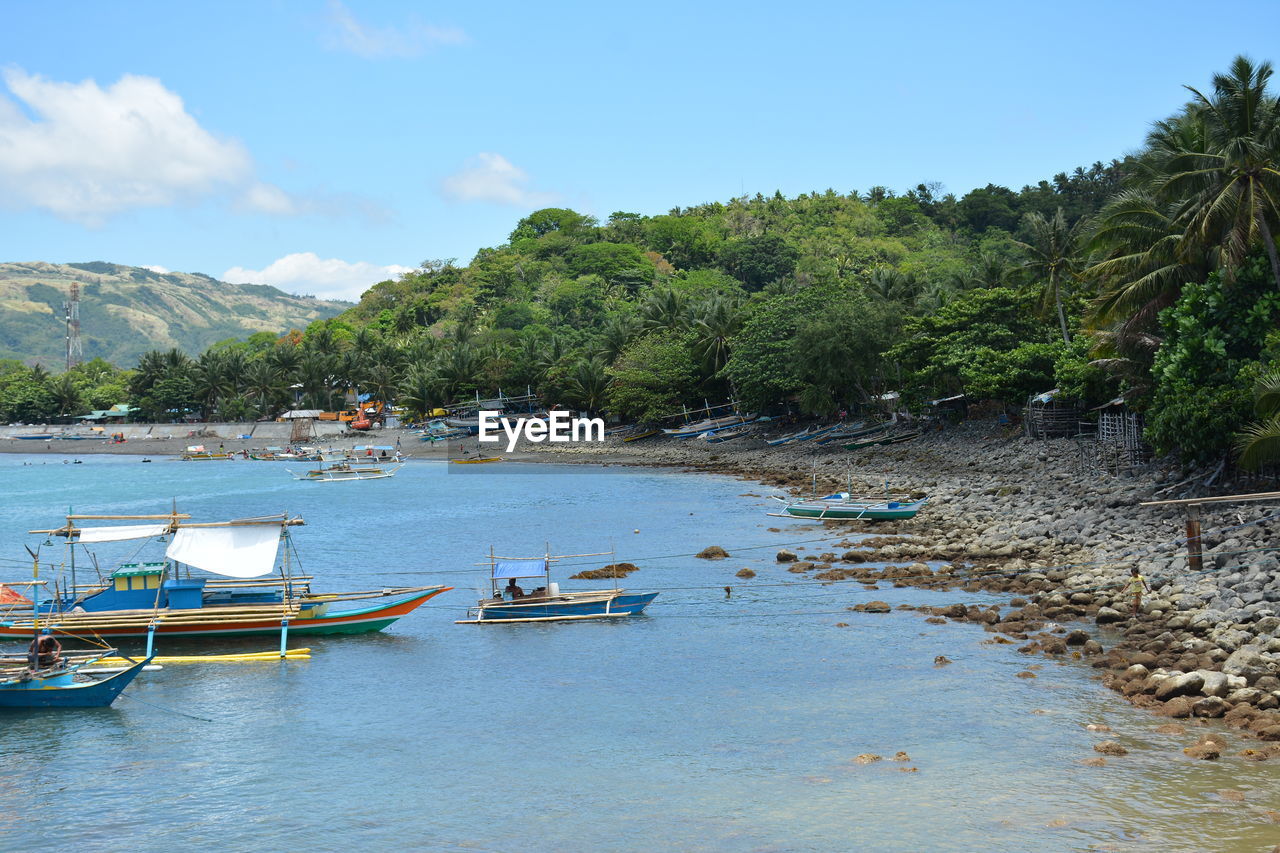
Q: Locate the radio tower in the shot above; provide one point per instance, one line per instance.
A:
(75, 352)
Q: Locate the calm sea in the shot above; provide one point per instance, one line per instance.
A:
(709, 724)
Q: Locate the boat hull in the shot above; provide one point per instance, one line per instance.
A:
(604, 607)
(61, 692)
(359, 621)
(854, 511)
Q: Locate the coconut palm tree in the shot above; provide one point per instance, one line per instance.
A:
(420, 390)
(1259, 443)
(663, 308)
(65, 394)
(714, 322)
(1052, 257)
(588, 384)
(265, 385)
(1227, 191)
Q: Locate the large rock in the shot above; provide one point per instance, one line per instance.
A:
(1207, 619)
(1107, 615)
(1209, 706)
(785, 556)
(1185, 684)
(1249, 663)
(1215, 683)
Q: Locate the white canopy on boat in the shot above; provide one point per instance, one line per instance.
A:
(238, 551)
(503, 569)
(120, 533)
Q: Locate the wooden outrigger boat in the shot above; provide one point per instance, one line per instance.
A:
(479, 460)
(648, 433)
(509, 604)
(214, 584)
(352, 469)
(882, 440)
(45, 678)
(844, 507)
(65, 686)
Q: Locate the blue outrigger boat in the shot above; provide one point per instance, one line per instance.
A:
(65, 686)
(548, 603)
(44, 678)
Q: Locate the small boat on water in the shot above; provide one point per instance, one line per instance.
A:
(197, 453)
(63, 685)
(509, 603)
(46, 678)
(479, 460)
(844, 507)
(215, 583)
(338, 472)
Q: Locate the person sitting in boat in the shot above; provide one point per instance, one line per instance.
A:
(44, 652)
(512, 591)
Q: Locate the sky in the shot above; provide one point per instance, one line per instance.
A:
(324, 145)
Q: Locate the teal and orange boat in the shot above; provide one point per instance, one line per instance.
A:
(220, 580)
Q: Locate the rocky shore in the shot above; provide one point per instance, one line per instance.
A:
(1026, 518)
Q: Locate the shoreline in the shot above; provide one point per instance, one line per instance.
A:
(1009, 515)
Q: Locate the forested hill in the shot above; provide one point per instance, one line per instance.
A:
(125, 311)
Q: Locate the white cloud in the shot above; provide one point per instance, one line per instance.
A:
(268, 198)
(412, 39)
(156, 268)
(307, 272)
(86, 152)
(492, 177)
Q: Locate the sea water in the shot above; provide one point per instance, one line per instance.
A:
(712, 723)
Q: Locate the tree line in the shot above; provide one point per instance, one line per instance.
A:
(1153, 278)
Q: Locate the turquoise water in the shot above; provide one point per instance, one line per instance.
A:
(710, 724)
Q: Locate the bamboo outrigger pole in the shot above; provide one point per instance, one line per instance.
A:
(1195, 545)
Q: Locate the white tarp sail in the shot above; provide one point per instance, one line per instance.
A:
(242, 551)
(120, 533)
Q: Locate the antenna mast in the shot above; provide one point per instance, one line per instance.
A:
(75, 352)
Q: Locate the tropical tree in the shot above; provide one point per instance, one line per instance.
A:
(1228, 189)
(1053, 257)
(66, 394)
(1259, 443)
(715, 321)
(588, 384)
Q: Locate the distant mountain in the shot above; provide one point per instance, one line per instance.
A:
(125, 311)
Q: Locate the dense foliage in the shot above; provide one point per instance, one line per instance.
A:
(1155, 277)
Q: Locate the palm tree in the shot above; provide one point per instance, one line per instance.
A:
(65, 394)
(1142, 263)
(662, 308)
(892, 285)
(618, 331)
(420, 390)
(1259, 443)
(1053, 257)
(265, 384)
(1228, 190)
(588, 384)
(715, 321)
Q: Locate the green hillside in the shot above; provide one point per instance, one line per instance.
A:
(126, 311)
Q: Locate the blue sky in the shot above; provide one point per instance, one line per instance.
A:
(321, 146)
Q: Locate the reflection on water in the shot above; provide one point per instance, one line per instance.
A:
(711, 724)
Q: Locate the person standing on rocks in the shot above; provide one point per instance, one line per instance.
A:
(1137, 583)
